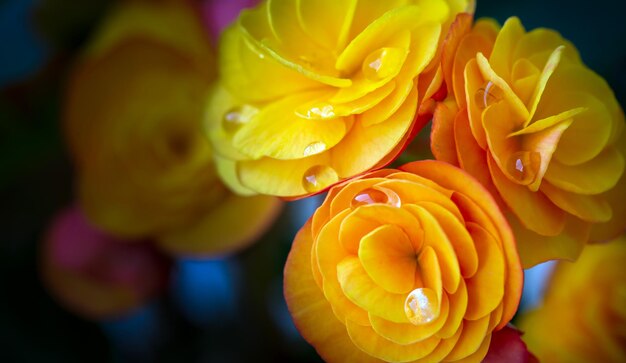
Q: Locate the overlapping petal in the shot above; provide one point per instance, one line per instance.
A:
(409, 265)
(331, 85)
(537, 128)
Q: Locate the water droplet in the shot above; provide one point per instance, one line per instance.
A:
(317, 111)
(319, 177)
(383, 63)
(487, 95)
(421, 306)
(523, 166)
(376, 195)
(237, 117)
(314, 148)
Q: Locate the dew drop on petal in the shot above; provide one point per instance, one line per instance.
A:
(314, 148)
(317, 112)
(523, 166)
(487, 95)
(421, 306)
(319, 177)
(236, 117)
(382, 63)
(376, 195)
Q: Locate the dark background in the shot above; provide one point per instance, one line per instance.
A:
(228, 310)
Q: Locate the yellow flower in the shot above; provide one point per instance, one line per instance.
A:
(133, 118)
(583, 318)
(314, 92)
(540, 130)
(409, 265)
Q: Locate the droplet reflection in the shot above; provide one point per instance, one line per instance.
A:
(319, 177)
(487, 95)
(421, 306)
(236, 117)
(314, 148)
(524, 166)
(376, 195)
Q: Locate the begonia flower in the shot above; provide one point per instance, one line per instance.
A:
(409, 265)
(539, 129)
(133, 118)
(314, 92)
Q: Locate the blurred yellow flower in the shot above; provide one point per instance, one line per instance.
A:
(409, 265)
(314, 92)
(133, 118)
(540, 130)
(583, 318)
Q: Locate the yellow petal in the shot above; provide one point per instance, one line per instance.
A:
(287, 177)
(327, 21)
(590, 208)
(593, 177)
(222, 230)
(367, 145)
(502, 55)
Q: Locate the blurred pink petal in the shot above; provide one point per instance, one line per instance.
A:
(218, 14)
(507, 347)
(74, 251)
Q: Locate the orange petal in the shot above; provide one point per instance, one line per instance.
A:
(311, 312)
(456, 231)
(458, 306)
(472, 337)
(534, 210)
(442, 143)
(485, 289)
(388, 257)
(366, 338)
(435, 237)
(365, 293)
(405, 334)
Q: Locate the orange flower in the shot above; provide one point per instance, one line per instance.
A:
(134, 123)
(97, 275)
(314, 92)
(416, 264)
(583, 318)
(538, 129)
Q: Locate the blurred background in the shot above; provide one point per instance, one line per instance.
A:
(218, 310)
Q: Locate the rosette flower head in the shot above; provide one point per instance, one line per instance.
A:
(313, 92)
(133, 118)
(540, 130)
(409, 265)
